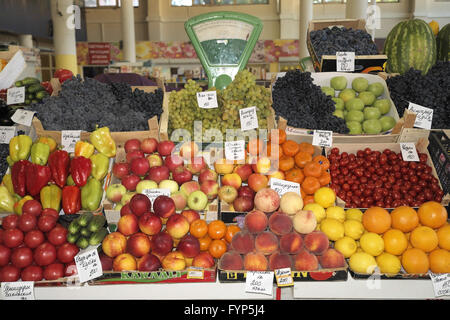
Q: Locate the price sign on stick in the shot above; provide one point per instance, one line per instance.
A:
(88, 265)
(424, 116)
(7, 133)
(283, 186)
(259, 282)
(69, 138)
(235, 150)
(284, 277)
(409, 152)
(23, 117)
(152, 194)
(441, 284)
(19, 290)
(207, 100)
(322, 138)
(249, 119)
(15, 95)
(345, 61)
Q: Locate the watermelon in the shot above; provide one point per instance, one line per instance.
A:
(410, 44)
(443, 43)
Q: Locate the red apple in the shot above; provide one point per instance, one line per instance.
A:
(134, 154)
(190, 215)
(128, 224)
(125, 209)
(139, 166)
(155, 160)
(120, 169)
(243, 204)
(150, 223)
(207, 174)
(189, 246)
(172, 161)
(107, 262)
(32, 207)
(243, 170)
(148, 145)
(181, 175)
(196, 165)
(148, 262)
(188, 150)
(210, 188)
(130, 181)
(180, 200)
(138, 244)
(132, 145)
(165, 148)
(164, 206)
(162, 243)
(158, 174)
(246, 191)
(139, 204)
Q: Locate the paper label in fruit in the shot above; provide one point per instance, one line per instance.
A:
(284, 277)
(345, 61)
(235, 150)
(19, 290)
(88, 264)
(207, 100)
(23, 117)
(296, 131)
(424, 116)
(249, 119)
(259, 282)
(69, 138)
(195, 273)
(7, 133)
(152, 194)
(409, 152)
(322, 138)
(283, 186)
(15, 95)
(441, 284)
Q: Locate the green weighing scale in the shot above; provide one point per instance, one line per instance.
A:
(224, 42)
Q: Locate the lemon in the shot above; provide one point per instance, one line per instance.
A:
(362, 262)
(325, 197)
(347, 246)
(317, 209)
(372, 243)
(353, 214)
(333, 228)
(353, 229)
(388, 263)
(336, 212)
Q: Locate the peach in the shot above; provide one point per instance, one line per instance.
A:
(243, 242)
(232, 179)
(291, 203)
(257, 181)
(255, 261)
(188, 187)
(148, 262)
(266, 243)
(280, 223)
(305, 261)
(174, 261)
(267, 200)
(223, 166)
(304, 222)
(114, 244)
(244, 171)
(161, 243)
(150, 223)
(332, 259)
(231, 260)
(279, 260)
(138, 244)
(128, 224)
(256, 221)
(190, 215)
(124, 262)
(291, 243)
(203, 260)
(316, 242)
(189, 246)
(177, 226)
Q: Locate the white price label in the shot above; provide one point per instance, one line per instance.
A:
(69, 138)
(283, 186)
(259, 282)
(152, 194)
(249, 118)
(235, 150)
(20, 290)
(23, 117)
(441, 284)
(424, 116)
(195, 273)
(409, 152)
(322, 138)
(281, 74)
(207, 100)
(284, 277)
(15, 95)
(7, 133)
(88, 265)
(345, 61)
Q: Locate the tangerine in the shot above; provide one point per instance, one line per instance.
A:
(443, 234)
(310, 185)
(295, 175)
(377, 220)
(217, 248)
(290, 148)
(312, 169)
(255, 146)
(432, 214)
(286, 163)
(232, 229)
(198, 228)
(217, 229)
(277, 134)
(415, 260)
(277, 151)
(404, 218)
(323, 161)
(439, 261)
(325, 178)
(395, 242)
(302, 158)
(308, 199)
(424, 238)
(204, 243)
(306, 147)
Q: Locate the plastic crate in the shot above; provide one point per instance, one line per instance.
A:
(439, 149)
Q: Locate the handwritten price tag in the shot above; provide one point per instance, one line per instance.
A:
(23, 117)
(322, 138)
(284, 277)
(88, 265)
(15, 95)
(7, 133)
(20, 290)
(345, 61)
(259, 282)
(69, 138)
(441, 284)
(283, 186)
(424, 116)
(249, 119)
(207, 100)
(152, 194)
(409, 152)
(235, 150)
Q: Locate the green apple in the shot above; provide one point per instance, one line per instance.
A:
(372, 126)
(387, 123)
(197, 200)
(118, 206)
(376, 88)
(328, 91)
(168, 184)
(354, 115)
(115, 192)
(347, 94)
(367, 97)
(354, 104)
(338, 83)
(127, 197)
(360, 84)
(371, 113)
(339, 113)
(354, 127)
(145, 184)
(338, 103)
(384, 105)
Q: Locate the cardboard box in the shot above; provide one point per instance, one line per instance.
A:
(14, 68)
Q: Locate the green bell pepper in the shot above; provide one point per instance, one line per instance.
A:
(51, 196)
(39, 153)
(20, 148)
(7, 182)
(6, 200)
(91, 194)
(100, 166)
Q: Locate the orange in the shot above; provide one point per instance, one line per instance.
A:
(439, 261)
(323, 161)
(404, 218)
(443, 234)
(312, 169)
(302, 158)
(290, 148)
(377, 220)
(232, 229)
(432, 214)
(217, 229)
(281, 135)
(415, 261)
(204, 243)
(308, 199)
(424, 238)
(306, 147)
(255, 147)
(395, 242)
(294, 175)
(217, 248)
(286, 163)
(198, 228)
(310, 185)
(325, 178)
(303, 194)
(278, 151)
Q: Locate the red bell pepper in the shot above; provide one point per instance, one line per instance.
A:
(71, 199)
(63, 75)
(37, 177)
(59, 163)
(19, 177)
(48, 86)
(80, 170)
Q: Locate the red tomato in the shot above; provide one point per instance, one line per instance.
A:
(10, 221)
(57, 236)
(67, 252)
(54, 271)
(34, 238)
(9, 273)
(32, 273)
(44, 254)
(27, 222)
(70, 269)
(22, 257)
(46, 222)
(12, 237)
(5, 255)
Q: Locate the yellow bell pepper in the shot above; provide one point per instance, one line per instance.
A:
(103, 142)
(20, 148)
(84, 148)
(6, 200)
(49, 141)
(7, 182)
(19, 204)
